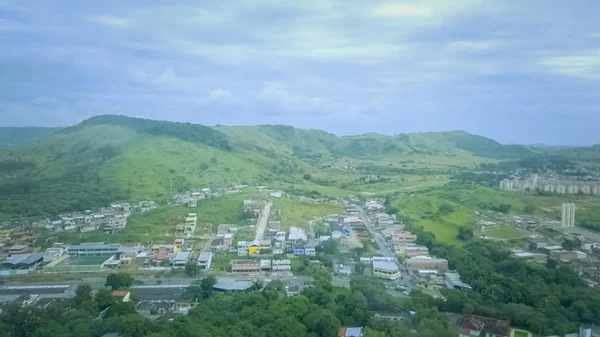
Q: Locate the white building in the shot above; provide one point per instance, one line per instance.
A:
(204, 260)
(568, 215)
(180, 259)
(297, 234)
(242, 248)
(280, 236)
(281, 265)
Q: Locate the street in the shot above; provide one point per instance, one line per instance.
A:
(386, 251)
(262, 222)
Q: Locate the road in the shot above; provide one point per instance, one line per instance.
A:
(385, 250)
(262, 222)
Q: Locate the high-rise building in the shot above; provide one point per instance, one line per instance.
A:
(568, 215)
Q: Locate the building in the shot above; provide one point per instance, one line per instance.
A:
(298, 250)
(53, 253)
(281, 265)
(232, 284)
(280, 236)
(412, 251)
(178, 245)
(245, 266)
(93, 249)
(24, 261)
(242, 248)
(531, 256)
(568, 215)
(254, 247)
(297, 234)
(180, 259)
(476, 326)
(204, 260)
(452, 281)
(386, 269)
(19, 249)
(121, 295)
(423, 262)
(351, 332)
(160, 251)
(310, 251)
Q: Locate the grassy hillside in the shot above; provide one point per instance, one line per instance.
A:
(117, 158)
(14, 136)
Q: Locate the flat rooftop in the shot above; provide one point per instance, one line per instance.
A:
(385, 265)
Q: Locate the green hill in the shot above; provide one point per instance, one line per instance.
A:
(116, 158)
(15, 136)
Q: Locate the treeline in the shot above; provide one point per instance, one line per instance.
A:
(194, 133)
(547, 299)
(7, 166)
(319, 311)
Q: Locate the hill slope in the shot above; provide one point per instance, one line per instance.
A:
(116, 158)
(15, 136)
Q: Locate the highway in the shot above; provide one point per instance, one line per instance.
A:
(262, 222)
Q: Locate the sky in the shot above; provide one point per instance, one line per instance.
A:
(512, 70)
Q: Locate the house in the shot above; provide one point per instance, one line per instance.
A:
(476, 326)
(424, 262)
(298, 250)
(204, 260)
(265, 244)
(121, 295)
(412, 251)
(280, 236)
(277, 194)
(127, 254)
(531, 256)
(180, 259)
(245, 266)
(292, 290)
(351, 332)
(178, 245)
(242, 248)
(310, 251)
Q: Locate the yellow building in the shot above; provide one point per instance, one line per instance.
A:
(254, 248)
(178, 245)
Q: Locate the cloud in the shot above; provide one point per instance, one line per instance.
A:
(582, 65)
(403, 10)
(111, 21)
(219, 93)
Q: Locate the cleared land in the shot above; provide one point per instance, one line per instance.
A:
(505, 232)
(298, 213)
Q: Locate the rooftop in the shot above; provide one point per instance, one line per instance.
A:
(24, 258)
(95, 246)
(120, 293)
(489, 325)
(385, 265)
(350, 332)
(205, 256)
(230, 284)
(424, 260)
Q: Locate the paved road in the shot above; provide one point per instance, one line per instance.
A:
(385, 250)
(262, 222)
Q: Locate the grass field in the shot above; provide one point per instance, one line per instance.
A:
(155, 224)
(84, 261)
(298, 213)
(505, 232)
(520, 333)
(226, 209)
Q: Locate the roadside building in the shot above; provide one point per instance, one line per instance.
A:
(422, 262)
(178, 245)
(310, 251)
(245, 266)
(412, 251)
(232, 284)
(297, 234)
(19, 249)
(351, 332)
(531, 256)
(121, 296)
(386, 269)
(242, 248)
(254, 247)
(204, 260)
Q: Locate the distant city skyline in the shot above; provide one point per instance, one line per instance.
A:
(516, 72)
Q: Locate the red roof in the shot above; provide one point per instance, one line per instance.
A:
(120, 293)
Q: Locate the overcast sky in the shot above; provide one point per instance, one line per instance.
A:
(516, 71)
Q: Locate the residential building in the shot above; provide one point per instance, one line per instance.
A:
(280, 236)
(128, 254)
(476, 326)
(531, 256)
(180, 259)
(245, 266)
(178, 245)
(242, 249)
(386, 269)
(204, 260)
(93, 249)
(298, 250)
(423, 262)
(277, 251)
(281, 265)
(568, 215)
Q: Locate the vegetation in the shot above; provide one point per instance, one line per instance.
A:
(298, 213)
(119, 280)
(12, 136)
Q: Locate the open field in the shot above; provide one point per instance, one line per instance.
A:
(298, 213)
(226, 209)
(505, 232)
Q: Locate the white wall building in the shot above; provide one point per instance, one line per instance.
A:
(204, 260)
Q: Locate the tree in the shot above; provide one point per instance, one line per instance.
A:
(445, 208)
(83, 293)
(529, 209)
(120, 309)
(103, 299)
(307, 176)
(119, 280)
(192, 269)
(323, 323)
(206, 286)
(464, 233)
